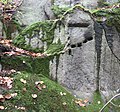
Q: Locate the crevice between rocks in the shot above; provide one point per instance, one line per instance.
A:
(98, 41)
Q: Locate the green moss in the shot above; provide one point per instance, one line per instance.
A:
(5, 1)
(112, 16)
(31, 65)
(28, 32)
(54, 49)
(48, 100)
(11, 27)
(59, 11)
(103, 3)
(116, 105)
(96, 104)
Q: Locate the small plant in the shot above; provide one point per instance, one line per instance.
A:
(103, 3)
(59, 11)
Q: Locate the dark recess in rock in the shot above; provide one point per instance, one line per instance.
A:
(69, 52)
(109, 33)
(79, 44)
(85, 41)
(78, 24)
(98, 41)
(73, 46)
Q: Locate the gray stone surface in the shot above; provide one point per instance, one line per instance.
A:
(110, 67)
(76, 68)
(112, 1)
(87, 3)
(31, 11)
(76, 18)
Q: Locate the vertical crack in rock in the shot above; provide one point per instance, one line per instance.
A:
(57, 64)
(98, 41)
(109, 34)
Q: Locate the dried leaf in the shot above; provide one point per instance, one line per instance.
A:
(34, 96)
(21, 108)
(44, 86)
(39, 87)
(61, 93)
(86, 101)
(24, 89)
(99, 102)
(13, 94)
(64, 103)
(8, 96)
(41, 82)
(2, 99)
(23, 81)
(2, 107)
(37, 82)
(81, 104)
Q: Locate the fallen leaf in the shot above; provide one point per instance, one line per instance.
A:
(39, 87)
(81, 104)
(23, 81)
(64, 93)
(37, 82)
(64, 103)
(14, 94)
(41, 82)
(2, 107)
(21, 108)
(99, 102)
(8, 96)
(24, 89)
(1, 96)
(13, 71)
(86, 101)
(61, 93)
(2, 99)
(34, 96)
(24, 62)
(44, 86)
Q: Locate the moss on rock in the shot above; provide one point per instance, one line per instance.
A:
(29, 64)
(47, 33)
(48, 99)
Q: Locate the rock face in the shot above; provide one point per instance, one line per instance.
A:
(76, 68)
(110, 62)
(33, 11)
(86, 3)
(92, 57)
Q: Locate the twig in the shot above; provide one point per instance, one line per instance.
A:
(118, 106)
(109, 102)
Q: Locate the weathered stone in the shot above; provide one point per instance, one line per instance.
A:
(75, 18)
(34, 11)
(60, 34)
(87, 57)
(112, 1)
(86, 3)
(110, 66)
(76, 68)
(31, 12)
